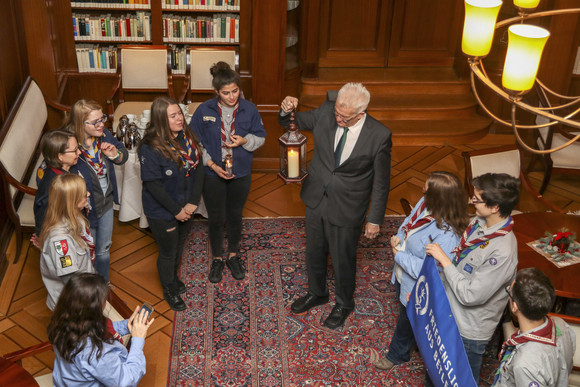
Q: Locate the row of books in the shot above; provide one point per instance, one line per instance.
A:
(212, 5)
(576, 69)
(92, 58)
(132, 27)
(131, 4)
(221, 28)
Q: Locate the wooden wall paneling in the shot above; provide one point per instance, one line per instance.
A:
(14, 64)
(62, 36)
(354, 34)
(309, 36)
(245, 47)
(268, 51)
(268, 156)
(425, 34)
(40, 51)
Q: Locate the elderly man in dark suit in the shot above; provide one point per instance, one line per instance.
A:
(350, 168)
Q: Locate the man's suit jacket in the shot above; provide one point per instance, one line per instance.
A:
(364, 177)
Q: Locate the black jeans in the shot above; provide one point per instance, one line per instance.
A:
(170, 236)
(225, 200)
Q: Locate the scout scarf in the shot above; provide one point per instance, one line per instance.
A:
(95, 161)
(416, 223)
(232, 126)
(545, 335)
(111, 333)
(186, 155)
(465, 247)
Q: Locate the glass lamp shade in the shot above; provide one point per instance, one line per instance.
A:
(479, 26)
(525, 46)
(526, 4)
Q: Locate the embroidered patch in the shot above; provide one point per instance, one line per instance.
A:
(209, 118)
(169, 172)
(40, 173)
(484, 245)
(493, 261)
(468, 268)
(65, 261)
(61, 247)
(534, 384)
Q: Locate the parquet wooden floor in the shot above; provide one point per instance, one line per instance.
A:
(24, 315)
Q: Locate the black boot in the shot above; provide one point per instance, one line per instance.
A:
(172, 297)
(181, 288)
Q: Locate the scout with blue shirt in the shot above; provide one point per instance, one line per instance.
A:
(230, 129)
(482, 265)
(172, 176)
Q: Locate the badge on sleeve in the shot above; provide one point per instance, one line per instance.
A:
(493, 261)
(483, 245)
(65, 261)
(468, 268)
(40, 173)
(209, 118)
(169, 172)
(61, 247)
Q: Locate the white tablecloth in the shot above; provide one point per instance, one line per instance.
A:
(129, 189)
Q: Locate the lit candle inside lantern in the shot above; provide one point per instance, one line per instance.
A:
(293, 163)
(229, 163)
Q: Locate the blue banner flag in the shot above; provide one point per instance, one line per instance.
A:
(436, 332)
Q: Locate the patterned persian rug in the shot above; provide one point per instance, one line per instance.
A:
(242, 333)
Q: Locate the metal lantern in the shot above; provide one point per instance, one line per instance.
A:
(292, 154)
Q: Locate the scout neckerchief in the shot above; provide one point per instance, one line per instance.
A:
(465, 246)
(57, 170)
(416, 223)
(185, 155)
(545, 335)
(232, 128)
(95, 161)
(111, 333)
(87, 237)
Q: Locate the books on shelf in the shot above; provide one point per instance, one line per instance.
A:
(219, 28)
(202, 5)
(130, 4)
(131, 27)
(96, 59)
(178, 59)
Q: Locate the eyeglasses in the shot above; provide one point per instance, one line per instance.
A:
(475, 200)
(77, 149)
(343, 118)
(103, 119)
(507, 290)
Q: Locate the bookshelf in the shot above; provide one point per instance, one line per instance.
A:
(100, 26)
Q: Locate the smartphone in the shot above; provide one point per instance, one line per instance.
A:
(148, 308)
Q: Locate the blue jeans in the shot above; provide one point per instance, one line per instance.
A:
(102, 237)
(474, 350)
(403, 338)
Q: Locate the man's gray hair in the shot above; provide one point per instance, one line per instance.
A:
(353, 96)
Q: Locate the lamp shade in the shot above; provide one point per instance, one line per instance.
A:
(526, 4)
(479, 26)
(525, 46)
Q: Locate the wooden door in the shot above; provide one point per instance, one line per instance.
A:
(354, 33)
(425, 33)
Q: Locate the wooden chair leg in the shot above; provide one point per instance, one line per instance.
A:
(547, 177)
(18, 235)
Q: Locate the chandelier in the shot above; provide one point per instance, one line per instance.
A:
(525, 45)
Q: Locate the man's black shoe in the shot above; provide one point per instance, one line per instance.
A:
(175, 302)
(181, 288)
(306, 302)
(236, 267)
(337, 317)
(215, 272)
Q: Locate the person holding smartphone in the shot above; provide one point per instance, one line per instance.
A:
(87, 346)
(230, 129)
(172, 178)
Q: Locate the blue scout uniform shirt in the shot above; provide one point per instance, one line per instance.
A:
(176, 181)
(206, 123)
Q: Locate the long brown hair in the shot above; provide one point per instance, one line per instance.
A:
(158, 135)
(79, 112)
(64, 195)
(447, 201)
(52, 144)
(78, 316)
